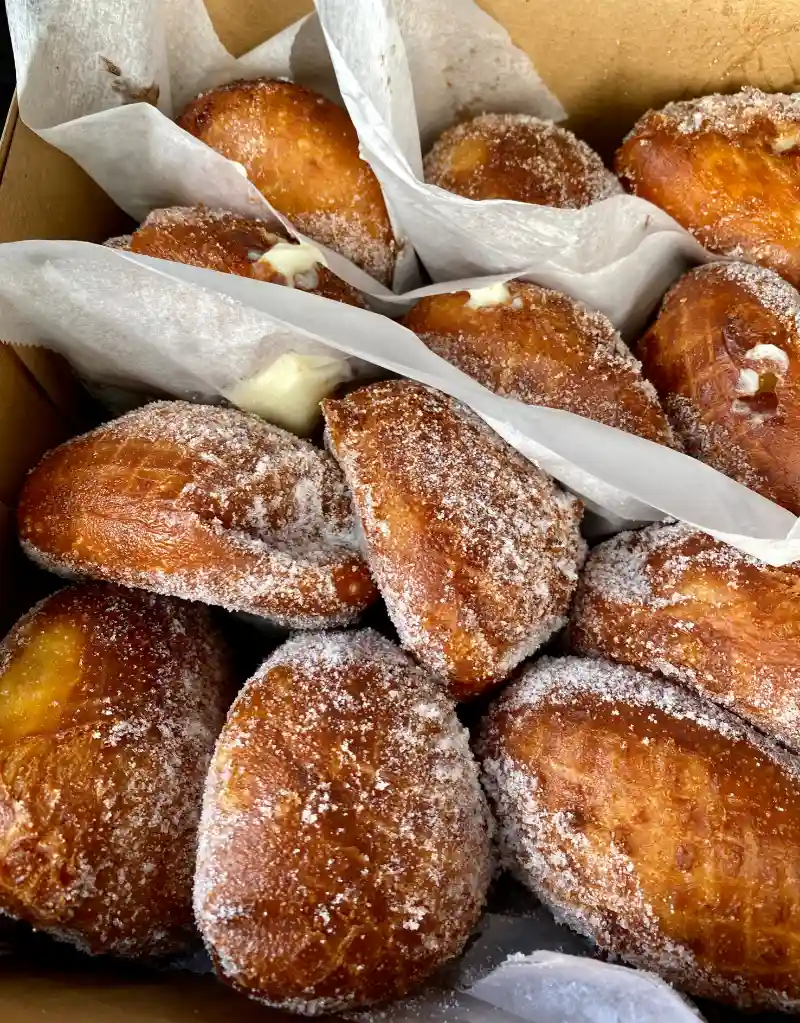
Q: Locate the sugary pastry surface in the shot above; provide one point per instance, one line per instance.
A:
(204, 503)
(656, 824)
(475, 550)
(232, 244)
(344, 845)
(517, 156)
(673, 600)
(728, 169)
(724, 356)
(543, 348)
(301, 152)
(110, 703)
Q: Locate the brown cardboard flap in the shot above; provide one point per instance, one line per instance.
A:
(45, 194)
(55, 377)
(609, 62)
(246, 23)
(92, 996)
(8, 131)
(29, 424)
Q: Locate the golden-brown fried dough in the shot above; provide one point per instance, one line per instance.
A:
(235, 245)
(110, 703)
(517, 156)
(475, 550)
(724, 356)
(301, 152)
(728, 169)
(543, 348)
(673, 600)
(203, 503)
(344, 844)
(650, 821)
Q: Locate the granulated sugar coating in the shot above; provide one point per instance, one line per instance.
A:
(726, 168)
(228, 243)
(673, 600)
(729, 115)
(543, 348)
(474, 549)
(661, 827)
(518, 156)
(765, 286)
(110, 703)
(344, 844)
(204, 503)
(301, 152)
(724, 356)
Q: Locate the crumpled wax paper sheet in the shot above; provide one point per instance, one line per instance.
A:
(102, 80)
(530, 968)
(127, 330)
(187, 331)
(407, 70)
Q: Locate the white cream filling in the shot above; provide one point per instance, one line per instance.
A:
(297, 262)
(769, 353)
(492, 294)
(748, 382)
(289, 391)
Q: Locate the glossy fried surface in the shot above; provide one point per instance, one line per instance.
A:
(517, 156)
(728, 169)
(110, 703)
(203, 503)
(543, 348)
(652, 822)
(474, 549)
(723, 355)
(344, 846)
(674, 600)
(301, 152)
(230, 244)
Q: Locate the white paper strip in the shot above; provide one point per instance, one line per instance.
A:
(405, 69)
(618, 255)
(547, 987)
(102, 79)
(188, 330)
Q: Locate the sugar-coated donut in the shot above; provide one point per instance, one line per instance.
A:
(654, 823)
(728, 169)
(203, 503)
(475, 550)
(517, 156)
(724, 356)
(301, 152)
(110, 704)
(344, 843)
(673, 600)
(543, 348)
(231, 244)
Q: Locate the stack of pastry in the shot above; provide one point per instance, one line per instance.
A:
(647, 789)
(330, 839)
(349, 881)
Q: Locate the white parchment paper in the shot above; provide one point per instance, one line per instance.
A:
(101, 80)
(405, 73)
(186, 331)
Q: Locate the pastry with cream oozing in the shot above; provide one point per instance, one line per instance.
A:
(542, 348)
(723, 354)
(301, 152)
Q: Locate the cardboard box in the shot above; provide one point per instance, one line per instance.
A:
(607, 63)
